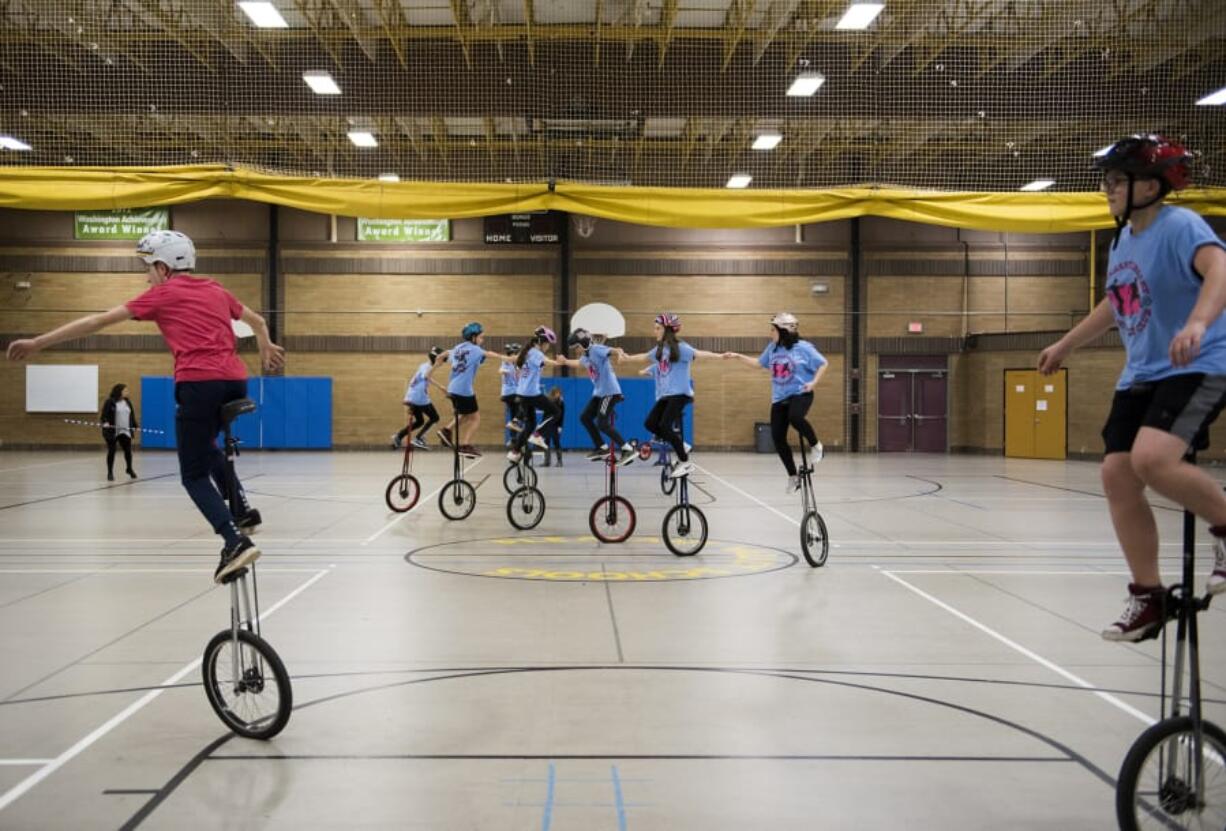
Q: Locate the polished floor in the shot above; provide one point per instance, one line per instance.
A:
(943, 670)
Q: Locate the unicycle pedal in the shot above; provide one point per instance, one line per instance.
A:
(234, 575)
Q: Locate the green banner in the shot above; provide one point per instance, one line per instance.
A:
(404, 230)
(129, 223)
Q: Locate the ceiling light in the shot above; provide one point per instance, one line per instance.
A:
(859, 16)
(363, 138)
(263, 15)
(806, 83)
(767, 141)
(321, 82)
(1039, 184)
(739, 180)
(388, 177)
(1213, 99)
(11, 143)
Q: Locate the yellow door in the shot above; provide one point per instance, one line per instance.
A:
(1019, 413)
(1050, 419)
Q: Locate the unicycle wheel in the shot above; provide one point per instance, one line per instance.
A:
(403, 493)
(814, 541)
(685, 530)
(457, 499)
(257, 702)
(1158, 785)
(526, 508)
(612, 519)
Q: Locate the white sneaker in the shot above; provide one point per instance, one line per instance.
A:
(815, 453)
(681, 469)
(420, 444)
(688, 447)
(1217, 580)
(539, 441)
(514, 456)
(396, 441)
(629, 454)
(793, 484)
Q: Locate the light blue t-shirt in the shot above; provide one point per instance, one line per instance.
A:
(674, 379)
(653, 369)
(600, 370)
(418, 391)
(529, 384)
(1152, 287)
(509, 374)
(465, 359)
(791, 368)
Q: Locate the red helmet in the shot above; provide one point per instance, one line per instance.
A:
(1150, 156)
(669, 321)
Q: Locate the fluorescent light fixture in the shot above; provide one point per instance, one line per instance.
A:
(806, 83)
(388, 177)
(362, 138)
(1213, 99)
(11, 143)
(321, 82)
(1104, 151)
(1039, 184)
(859, 16)
(767, 141)
(263, 15)
(739, 180)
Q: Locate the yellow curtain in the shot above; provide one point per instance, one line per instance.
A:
(95, 188)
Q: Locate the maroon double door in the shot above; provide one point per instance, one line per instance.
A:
(912, 412)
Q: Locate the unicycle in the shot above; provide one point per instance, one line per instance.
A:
(1174, 775)
(814, 541)
(458, 498)
(685, 525)
(244, 678)
(526, 504)
(404, 490)
(612, 517)
(519, 474)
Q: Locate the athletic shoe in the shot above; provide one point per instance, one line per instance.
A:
(816, 452)
(514, 456)
(514, 426)
(599, 455)
(1217, 580)
(396, 441)
(793, 484)
(470, 451)
(1143, 617)
(539, 441)
(688, 447)
(131, 473)
(249, 520)
(681, 469)
(444, 435)
(110, 477)
(235, 557)
(629, 454)
(420, 444)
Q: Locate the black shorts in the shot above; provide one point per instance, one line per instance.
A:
(511, 401)
(425, 410)
(1182, 405)
(464, 404)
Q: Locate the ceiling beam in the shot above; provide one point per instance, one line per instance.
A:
(318, 16)
(391, 18)
(781, 14)
(734, 28)
(463, 27)
(667, 23)
(350, 13)
(529, 14)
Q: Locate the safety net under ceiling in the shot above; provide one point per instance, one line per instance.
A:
(979, 95)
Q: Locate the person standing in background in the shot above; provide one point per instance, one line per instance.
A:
(119, 425)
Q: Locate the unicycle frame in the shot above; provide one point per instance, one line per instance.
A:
(248, 614)
(805, 472)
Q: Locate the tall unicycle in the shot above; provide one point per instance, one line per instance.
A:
(458, 497)
(526, 504)
(244, 679)
(612, 517)
(404, 490)
(814, 541)
(685, 525)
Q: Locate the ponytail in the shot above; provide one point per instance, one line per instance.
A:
(523, 352)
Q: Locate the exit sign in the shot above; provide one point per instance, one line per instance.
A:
(915, 328)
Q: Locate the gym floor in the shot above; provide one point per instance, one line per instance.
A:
(943, 670)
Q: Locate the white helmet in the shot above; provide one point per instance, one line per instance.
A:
(786, 321)
(170, 247)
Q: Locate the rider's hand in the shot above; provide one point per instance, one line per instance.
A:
(1185, 346)
(1051, 357)
(272, 356)
(19, 350)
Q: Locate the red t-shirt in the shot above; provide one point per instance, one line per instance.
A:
(194, 314)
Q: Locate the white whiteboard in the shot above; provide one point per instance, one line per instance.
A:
(61, 388)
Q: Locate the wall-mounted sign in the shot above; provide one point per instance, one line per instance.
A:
(519, 229)
(404, 230)
(128, 223)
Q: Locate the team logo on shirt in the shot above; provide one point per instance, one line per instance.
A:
(662, 366)
(1130, 298)
(782, 369)
(459, 361)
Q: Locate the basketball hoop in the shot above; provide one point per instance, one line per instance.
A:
(584, 225)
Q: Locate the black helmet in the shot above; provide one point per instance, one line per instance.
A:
(434, 352)
(1152, 156)
(513, 348)
(580, 337)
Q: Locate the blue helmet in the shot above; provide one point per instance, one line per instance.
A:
(471, 330)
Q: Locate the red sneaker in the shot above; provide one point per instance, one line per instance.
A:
(470, 451)
(444, 435)
(1143, 617)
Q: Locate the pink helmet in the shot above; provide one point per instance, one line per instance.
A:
(546, 334)
(669, 321)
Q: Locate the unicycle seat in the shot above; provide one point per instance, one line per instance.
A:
(233, 409)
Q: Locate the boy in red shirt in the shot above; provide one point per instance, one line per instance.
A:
(193, 315)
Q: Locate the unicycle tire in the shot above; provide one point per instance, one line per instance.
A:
(512, 481)
(685, 530)
(814, 541)
(258, 705)
(457, 499)
(612, 519)
(526, 508)
(1141, 801)
(402, 493)
(667, 483)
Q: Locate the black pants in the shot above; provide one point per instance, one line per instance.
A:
(597, 418)
(422, 414)
(202, 465)
(528, 405)
(791, 411)
(123, 441)
(663, 419)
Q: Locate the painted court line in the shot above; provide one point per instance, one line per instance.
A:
(24, 762)
(1007, 571)
(1017, 647)
(420, 501)
(753, 498)
(18, 790)
(102, 571)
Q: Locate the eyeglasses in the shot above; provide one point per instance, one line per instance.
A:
(1110, 183)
